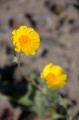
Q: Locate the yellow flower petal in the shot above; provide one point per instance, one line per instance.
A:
(46, 70)
(26, 40)
(57, 70)
(54, 76)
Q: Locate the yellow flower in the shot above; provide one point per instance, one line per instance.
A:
(54, 76)
(25, 40)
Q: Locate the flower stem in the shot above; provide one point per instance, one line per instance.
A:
(32, 82)
(37, 87)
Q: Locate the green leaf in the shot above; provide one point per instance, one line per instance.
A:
(25, 101)
(52, 94)
(39, 105)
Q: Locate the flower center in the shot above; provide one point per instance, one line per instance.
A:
(23, 41)
(51, 77)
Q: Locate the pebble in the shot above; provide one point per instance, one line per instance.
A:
(11, 22)
(63, 92)
(44, 53)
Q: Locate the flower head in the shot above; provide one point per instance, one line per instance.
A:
(25, 40)
(54, 76)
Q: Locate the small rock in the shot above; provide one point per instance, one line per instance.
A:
(71, 21)
(63, 92)
(54, 8)
(60, 23)
(30, 18)
(9, 50)
(76, 6)
(11, 22)
(44, 53)
(73, 102)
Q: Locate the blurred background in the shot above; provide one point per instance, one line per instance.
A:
(57, 22)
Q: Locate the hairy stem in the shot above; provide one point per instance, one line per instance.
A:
(30, 81)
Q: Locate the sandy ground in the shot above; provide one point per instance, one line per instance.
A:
(59, 40)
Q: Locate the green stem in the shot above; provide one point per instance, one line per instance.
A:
(37, 87)
(30, 81)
